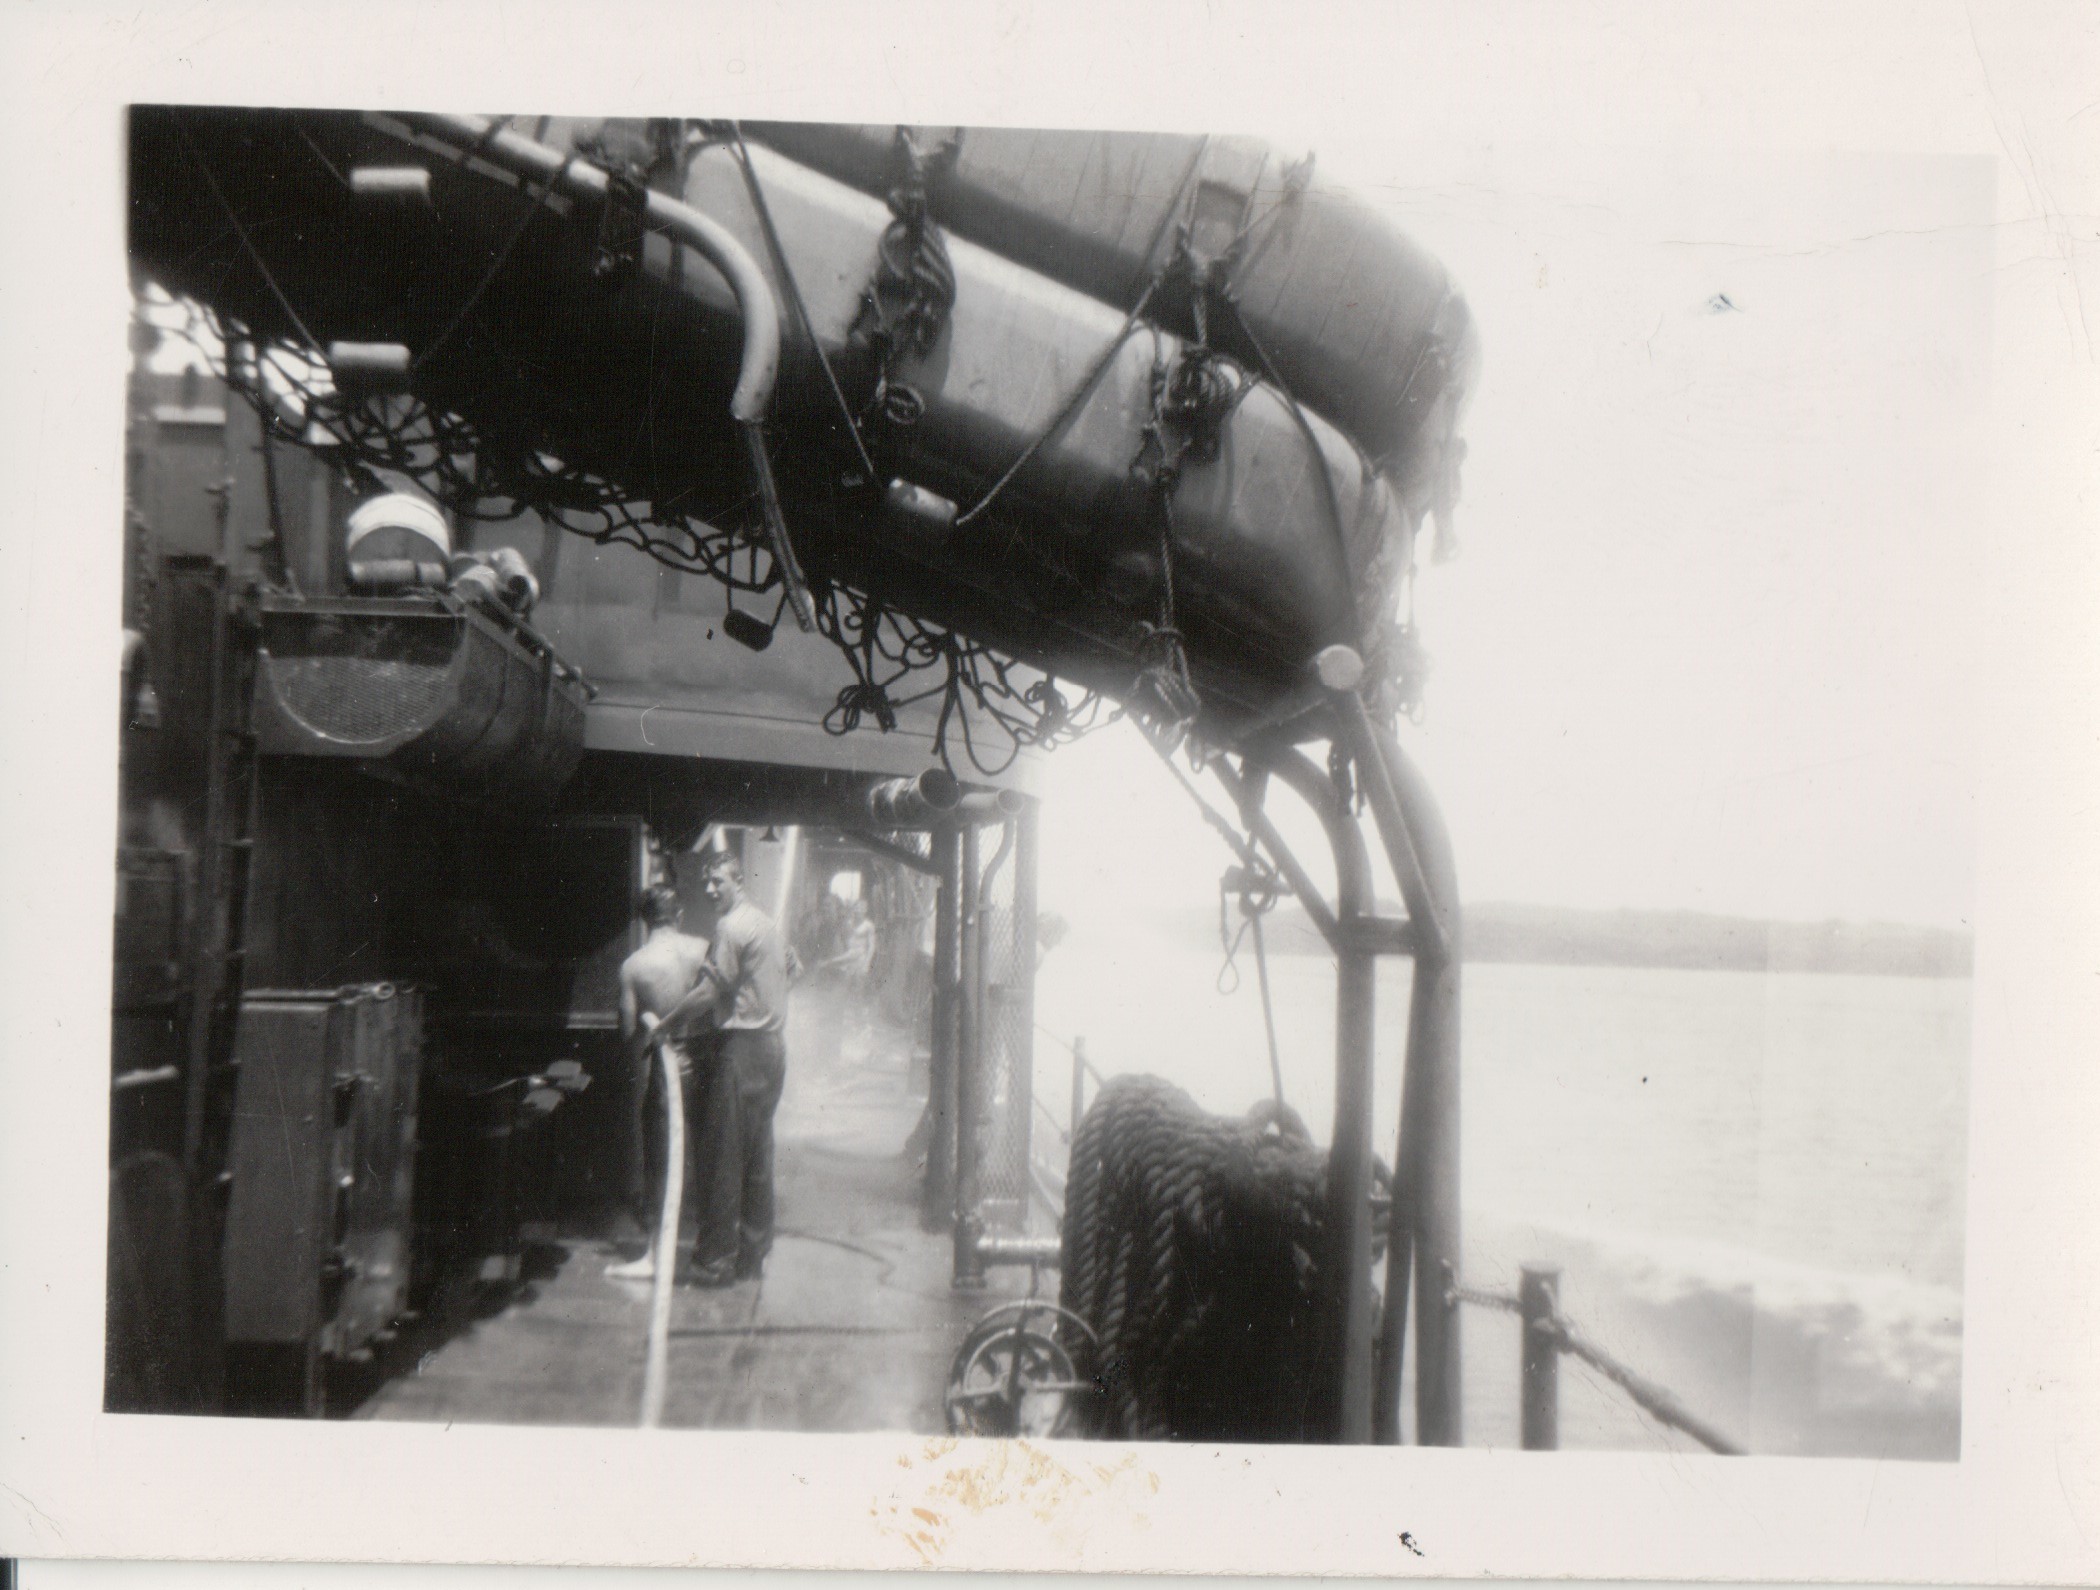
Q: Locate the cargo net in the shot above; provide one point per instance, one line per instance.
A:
(1192, 1246)
(990, 706)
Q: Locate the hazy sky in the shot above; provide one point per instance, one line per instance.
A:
(1709, 641)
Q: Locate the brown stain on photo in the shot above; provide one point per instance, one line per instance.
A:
(1016, 1474)
(1009, 1476)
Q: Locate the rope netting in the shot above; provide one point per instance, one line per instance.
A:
(989, 705)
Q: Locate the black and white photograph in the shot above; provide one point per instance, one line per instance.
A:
(1058, 788)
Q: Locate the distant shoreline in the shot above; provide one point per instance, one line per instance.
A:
(1498, 931)
(1688, 940)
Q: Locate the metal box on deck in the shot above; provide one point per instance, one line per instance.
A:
(317, 1233)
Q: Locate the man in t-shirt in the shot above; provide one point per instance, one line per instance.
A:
(745, 984)
(653, 980)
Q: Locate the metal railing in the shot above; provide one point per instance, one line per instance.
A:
(1046, 1179)
(1548, 1334)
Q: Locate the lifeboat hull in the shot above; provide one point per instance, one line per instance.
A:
(1360, 322)
(1281, 542)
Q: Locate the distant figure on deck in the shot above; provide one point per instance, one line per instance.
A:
(744, 986)
(653, 982)
(858, 958)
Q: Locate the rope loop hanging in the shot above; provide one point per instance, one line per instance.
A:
(1257, 892)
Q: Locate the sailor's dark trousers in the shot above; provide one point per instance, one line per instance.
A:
(740, 1079)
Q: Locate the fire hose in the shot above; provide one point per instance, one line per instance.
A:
(656, 1366)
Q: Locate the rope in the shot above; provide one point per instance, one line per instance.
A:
(1657, 1401)
(914, 252)
(1229, 942)
(1217, 285)
(306, 138)
(1077, 1050)
(1268, 1009)
(1072, 404)
(1503, 1302)
(275, 563)
(1241, 846)
(1175, 214)
(1186, 403)
(1258, 894)
(1192, 1245)
(904, 309)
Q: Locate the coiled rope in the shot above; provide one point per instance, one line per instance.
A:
(1191, 1248)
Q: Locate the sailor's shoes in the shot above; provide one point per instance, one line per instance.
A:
(727, 1272)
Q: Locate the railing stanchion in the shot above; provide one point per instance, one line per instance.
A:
(1547, 1334)
(1538, 1302)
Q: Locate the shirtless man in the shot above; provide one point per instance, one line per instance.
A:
(653, 980)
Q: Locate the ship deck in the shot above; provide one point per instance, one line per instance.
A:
(851, 1328)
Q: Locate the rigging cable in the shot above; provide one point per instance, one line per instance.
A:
(794, 291)
(1175, 213)
(241, 232)
(502, 258)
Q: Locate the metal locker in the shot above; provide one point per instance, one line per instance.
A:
(317, 1232)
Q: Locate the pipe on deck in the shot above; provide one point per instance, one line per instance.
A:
(913, 802)
(759, 368)
(933, 799)
(536, 162)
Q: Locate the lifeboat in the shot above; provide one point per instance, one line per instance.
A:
(1046, 472)
(1354, 317)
